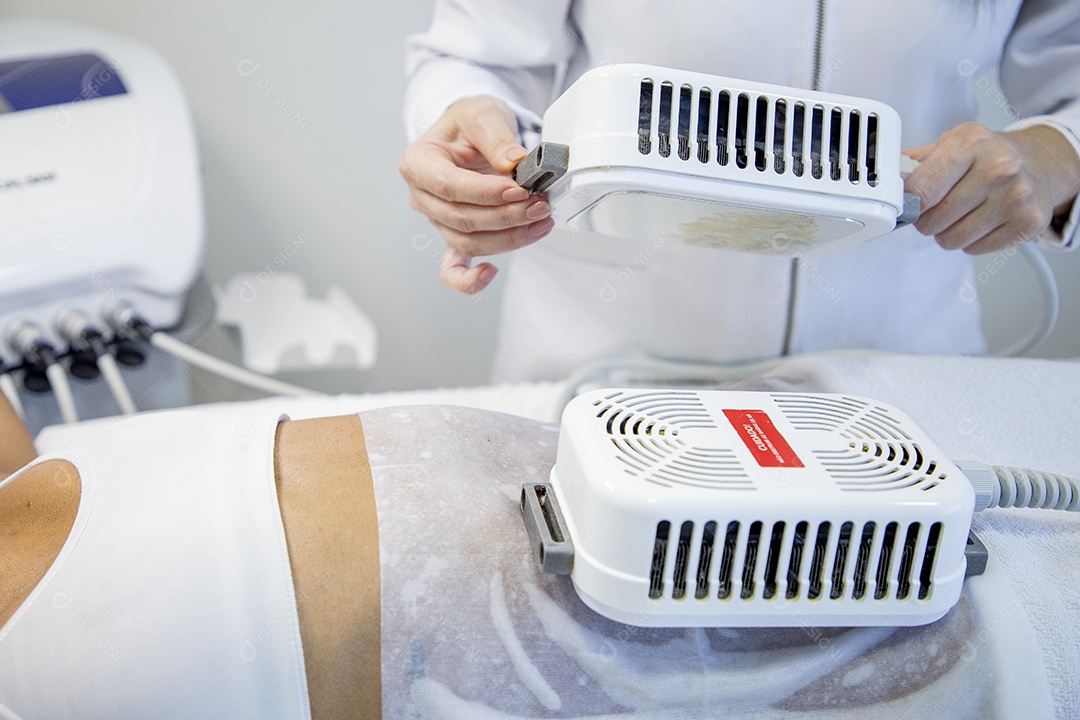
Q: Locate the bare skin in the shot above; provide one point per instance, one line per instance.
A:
(322, 502)
(981, 191)
(327, 504)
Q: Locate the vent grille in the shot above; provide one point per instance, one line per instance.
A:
(869, 561)
(648, 412)
(826, 142)
(850, 417)
(645, 430)
(880, 466)
(881, 455)
(650, 431)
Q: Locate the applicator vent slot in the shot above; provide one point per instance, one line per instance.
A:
(762, 133)
(792, 560)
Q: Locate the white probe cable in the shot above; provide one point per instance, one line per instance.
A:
(11, 392)
(1051, 302)
(123, 319)
(185, 352)
(58, 379)
(117, 386)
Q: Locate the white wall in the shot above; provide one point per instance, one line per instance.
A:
(298, 113)
(297, 108)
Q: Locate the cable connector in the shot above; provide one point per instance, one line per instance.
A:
(89, 353)
(43, 371)
(85, 342)
(28, 341)
(123, 319)
(984, 481)
(75, 328)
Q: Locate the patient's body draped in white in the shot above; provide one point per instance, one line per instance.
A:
(470, 629)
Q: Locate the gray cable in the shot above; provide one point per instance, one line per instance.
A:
(1011, 487)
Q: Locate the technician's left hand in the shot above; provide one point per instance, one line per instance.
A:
(983, 191)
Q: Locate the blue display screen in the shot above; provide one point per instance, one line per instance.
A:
(44, 81)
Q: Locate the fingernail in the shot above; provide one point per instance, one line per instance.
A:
(538, 210)
(515, 154)
(487, 274)
(540, 229)
(515, 194)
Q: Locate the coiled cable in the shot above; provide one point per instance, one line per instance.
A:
(1011, 487)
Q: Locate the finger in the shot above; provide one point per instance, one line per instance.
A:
(969, 229)
(1007, 216)
(492, 129)
(999, 239)
(468, 218)
(919, 153)
(430, 168)
(456, 273)
(495, 242)
(936, 175)
(963, 199)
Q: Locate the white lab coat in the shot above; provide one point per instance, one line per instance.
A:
(570, 300)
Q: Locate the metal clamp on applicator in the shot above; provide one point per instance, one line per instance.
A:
(546, 527)
(546, 163)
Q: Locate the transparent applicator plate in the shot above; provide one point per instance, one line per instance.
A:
(711, 223)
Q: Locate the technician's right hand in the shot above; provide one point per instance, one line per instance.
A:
(459, 175)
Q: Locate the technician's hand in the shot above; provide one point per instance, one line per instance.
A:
(983, 191)
(459, 176)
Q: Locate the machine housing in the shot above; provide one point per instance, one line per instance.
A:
(100, 193)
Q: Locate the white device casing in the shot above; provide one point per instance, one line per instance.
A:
(122, 217)
(630, 460)
(613, 187)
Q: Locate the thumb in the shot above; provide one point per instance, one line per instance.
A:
(919, 153)
(493, 131)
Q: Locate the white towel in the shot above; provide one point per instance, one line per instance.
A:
(1003, 411)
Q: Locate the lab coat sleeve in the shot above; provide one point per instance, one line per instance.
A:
(1040, 74)
(507, 48)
